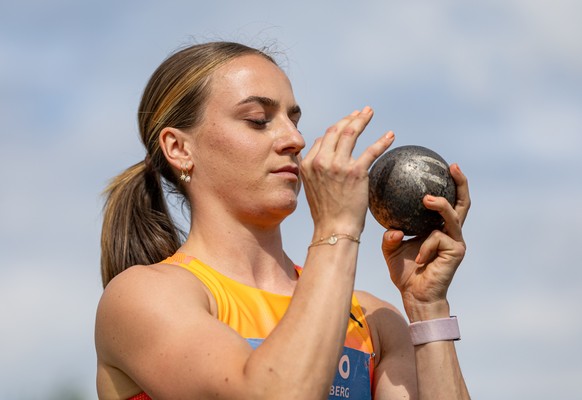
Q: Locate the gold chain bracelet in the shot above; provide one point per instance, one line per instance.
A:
(331, 240)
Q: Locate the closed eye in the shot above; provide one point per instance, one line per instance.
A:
(259, 123)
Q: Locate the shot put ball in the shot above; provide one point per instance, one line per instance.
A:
(400, 179)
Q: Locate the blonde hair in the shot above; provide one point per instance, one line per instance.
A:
(137, 226)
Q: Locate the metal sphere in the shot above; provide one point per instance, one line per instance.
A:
(400, 179)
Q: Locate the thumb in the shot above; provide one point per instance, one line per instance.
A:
(391, 241)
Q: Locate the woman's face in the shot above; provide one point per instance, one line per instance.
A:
(246, 149)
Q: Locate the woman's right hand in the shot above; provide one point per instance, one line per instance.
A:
(336, 183)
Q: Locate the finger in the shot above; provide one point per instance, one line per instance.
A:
(374, 151)
(299, 158)
(333, 133)
(312, 152)
(351, 132)
(428, 250)
(438, 243)
(452, 221)
(463, 202)
(391, 242)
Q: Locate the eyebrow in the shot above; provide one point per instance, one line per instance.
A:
(268, 102)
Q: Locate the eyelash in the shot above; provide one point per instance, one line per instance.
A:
(259, 122)
(263, 122)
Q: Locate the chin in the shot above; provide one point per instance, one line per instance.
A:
(290, 205)
(286, 207)
(278, 203)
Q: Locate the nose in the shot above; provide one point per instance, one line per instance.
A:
(290, 141)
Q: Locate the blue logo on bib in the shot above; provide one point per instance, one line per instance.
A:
(352, 379)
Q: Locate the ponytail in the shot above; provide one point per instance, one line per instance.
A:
(137, 227)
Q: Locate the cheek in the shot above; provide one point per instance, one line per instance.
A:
(228, 140)
(232, 155)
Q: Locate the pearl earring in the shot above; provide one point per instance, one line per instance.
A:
(184, 175)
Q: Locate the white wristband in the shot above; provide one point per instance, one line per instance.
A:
(434, 330)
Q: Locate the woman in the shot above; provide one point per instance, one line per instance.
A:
(226, 314)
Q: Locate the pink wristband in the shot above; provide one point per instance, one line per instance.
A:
(434, 330)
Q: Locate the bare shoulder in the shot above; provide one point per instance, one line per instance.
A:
(371, 303)
(138, 304)
(140, 310)
(141, 287)
(147, 288)
(148, 283)
(388, 326)
(143, 299)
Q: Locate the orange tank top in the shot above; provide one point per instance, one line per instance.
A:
(253, 313)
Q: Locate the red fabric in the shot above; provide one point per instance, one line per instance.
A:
(140, 396)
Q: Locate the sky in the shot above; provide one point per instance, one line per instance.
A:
(495, 86)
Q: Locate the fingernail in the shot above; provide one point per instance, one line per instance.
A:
(390, 135)
(417, 259)
(429, 198)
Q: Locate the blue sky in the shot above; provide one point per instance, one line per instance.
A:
(493, 85)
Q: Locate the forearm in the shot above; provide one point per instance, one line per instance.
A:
(300, 356)
(438, 371)
(308, 341)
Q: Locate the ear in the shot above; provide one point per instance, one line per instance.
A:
(175, 145)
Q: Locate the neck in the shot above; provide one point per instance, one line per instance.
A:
(250, 254)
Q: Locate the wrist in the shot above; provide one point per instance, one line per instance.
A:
(333, 239)
(421, 311)
(321, 232)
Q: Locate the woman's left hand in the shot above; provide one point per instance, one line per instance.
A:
(423, 269)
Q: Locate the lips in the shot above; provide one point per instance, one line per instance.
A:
(293, 169)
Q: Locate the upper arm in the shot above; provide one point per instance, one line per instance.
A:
(395, 369)
(157, 328)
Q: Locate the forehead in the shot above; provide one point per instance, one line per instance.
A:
(250, 75)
